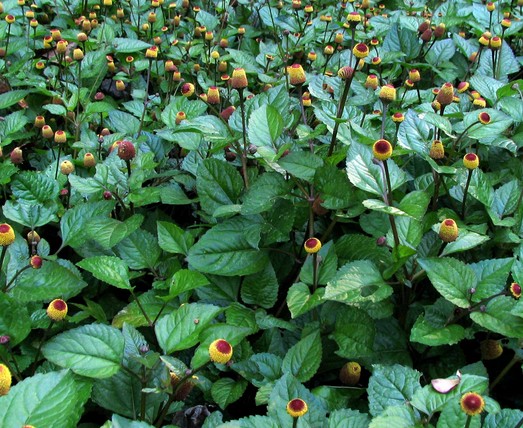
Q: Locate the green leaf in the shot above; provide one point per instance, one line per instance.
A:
(229, 249)
(451, 277)
(301, 164)
(139, 250)
(264, 192)
(429, 401)
(218, 183)
(181, 328)
(415, 204)
(34, 187)
(265, 126)
(441, 51)
(466, 241)
(29, 214)
(413, 134)
(226, 391)
(348, 418)
(261, 288)
(9, 98)
(14, 320)
(132, 313)
(357, 281)
(73, 223)
(123, 45)
(46, 400)
(328, 181)
(118, 421)
(402, 40)
(304, 358)
(492, 276)
(51, 281)
(122, 122)
(173, 239)
(260, 369)
(256, 421)
(425, 333)
(505, 418)
(391, 386)
(397, 417)
(109, 269)
(454, 416)
(94, 350)
(300, 301)
(185, 280)
(498, 318)
(108, 232)
(380, 206)
(498, 124)
(354, 333)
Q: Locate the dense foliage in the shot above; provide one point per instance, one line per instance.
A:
(261, 214)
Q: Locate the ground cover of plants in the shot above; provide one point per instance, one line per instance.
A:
(261, 214)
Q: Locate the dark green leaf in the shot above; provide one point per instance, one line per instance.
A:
(185, 280)
(261, 288)
(173, 239)
(14, 320)
(139, 250)
(300, 300)
(304, 358)
(226, 391)
(354, 334)
(109, 269)
(264, 192)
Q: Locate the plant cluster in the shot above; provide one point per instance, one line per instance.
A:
(261, 213)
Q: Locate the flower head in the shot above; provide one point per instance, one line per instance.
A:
(371, 81)
(361, 50)
(448, 230)
(220, 351)
(89, 160)
(414, 75)
(36, 262)
(312, 245)
(437, 150)
(472, 403)
(484, 117)
(151, 52)
(471, 161)
(462, 87)
(60, 137)
(296, 74)
(126, 150)
(350, 373)
(66, 167)
(382, 149)
(5, 379)
(387, 93)
(297, 407)
(213, 95)
(57, 310)
(346, 72)
(7, 235)
(239, 79)
(187, 89)
(515, 290)
(398, 117)
(446, 94)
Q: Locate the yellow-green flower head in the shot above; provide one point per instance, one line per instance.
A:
(350, 373)
(448, 231)
(471, 161)
(361, 50)
(187, 89)
(7, 235)
(296, 74)
(382, 150)
(387, 93)
(57, 310)
(490, 349)
(515, 290)
(312, 245)
(472, 403)
(437, 150)
(220, 351)
(5, 379)
(297, 407)
(239, 79)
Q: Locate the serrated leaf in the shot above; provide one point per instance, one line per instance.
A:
(451, 277)
(123, 45)
(94, 350)
(139, 250)
(425, 333)
(34, 187)
(497, 317)
(265, 126)
(354, 333)
(348, 418)
(466, 241)
(109, 269)
(304, 358)
(391, 386)
(29, 214)
(301, 164)
(413, 134)
(181, 328)
(14, 320)
(300, 301)
(264, 192)
(185, 280)
(380, 206)
(108, 232)
(226, 391)
(9, 98)
(261, 288)
(229, 249)
(51, 399)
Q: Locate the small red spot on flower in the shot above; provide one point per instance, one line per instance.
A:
(59, 305)
(223, 346)
(449, 222)
(470, 156)
(484, 118)
(4, 228)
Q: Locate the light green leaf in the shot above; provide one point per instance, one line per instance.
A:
(304, 358)
(181, 328)
(380, 206)
(301, 164)
(497, 317)
(423, 332)
(226, 391)
(466, 241)
(265, 126)
(264, 192)
(139, 250)
(173, 239)
(108, 231)
(413, 134)
(451, 277)
(54, 399)
(94, 350)
(185, 280)
(109, 269)
(348, 418)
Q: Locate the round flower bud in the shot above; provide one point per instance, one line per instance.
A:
(495, 42)
(120, 85)
(462, 87)
(439, 31)
(152, 52)
(227, 112)
(179, 117)
(382, 150)
(33, 237)
(426, 35)
(33, 23)
(491, 6)
(353, 18)
(220, 351)
(10, 19)
(424, 26)
(479, 102)
(36, 262)
(239, 79)
(350, 373)
(57, 310)
(16, 156)
(437, 150)
(387, 93)
(448, 230)
(312, 56)
(490, 349)
(414, 75)
(306, 99)
(372, 81)
(66, 167)
(187, 89)
(312, 245)
(297, 407)
(446, 94)
(472, 403)
(296, 74)
(126, 150)
(398, 117)
(346, 72)
(484, 40)
(39, 122)
(215, 55)
(515, 290)
(471, 161)
(484, 118)
(506, 23)
(338, 38)
(328, 50)
(5, 379)
(78, 54)
(60, 137)
(61, 46)
(309, 8)
(213, 95)
(361, 50)
(7, 235)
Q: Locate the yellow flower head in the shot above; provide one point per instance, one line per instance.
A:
(448, 231)
(7, 235)
(387, 93)
(239, 79)
(515, 290)
(382, 149)
(312, 245)
(5, 379)
(471, 161)
(220, 351)
(296, 74)
(350, 373)
(446, 94)
(361, 50)
(437, 150)
(472, 403)
(57, 310)
(484, 118)
(297, 407)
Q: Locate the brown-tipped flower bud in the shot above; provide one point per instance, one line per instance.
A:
(471, 161)
(424, 26)
(220, 351)
(60, 137)
(439, 31)
(346, 72)
(495, 43)
(312, 245)
(462, 87)
(152, 52)
(446, 94)
(213, 95)
(448, 230)
(296, 74)
(382, 150)
(437, 150)
(227, 112)
(33, 237)
(17, 156)
(297, 407)
(398, 117)
(239, 79)
(126, 150)
(361, 50)
(187, 89)
(78, 54)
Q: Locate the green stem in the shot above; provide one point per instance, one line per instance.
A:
(389, 201)
(58, 161)
(35, 361)
(294, 422)
(463, 205)
(519, 424)
(244, 136)
(15, 373)
(146, 96)
(455, 144)
(8, 286)
(339, 112)
(142, 310)
(467, 423)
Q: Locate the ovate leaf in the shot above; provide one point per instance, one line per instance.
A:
(109, 269)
